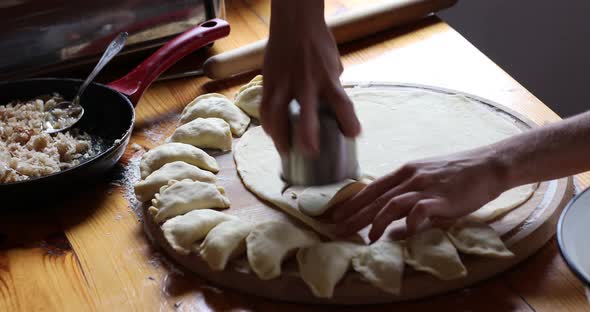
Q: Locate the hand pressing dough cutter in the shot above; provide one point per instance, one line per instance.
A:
(336, 160)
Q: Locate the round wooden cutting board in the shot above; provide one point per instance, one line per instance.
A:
(524, 230)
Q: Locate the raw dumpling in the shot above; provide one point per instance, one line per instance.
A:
(178, 170)
(323, 265)
(314, 201)
(472, 237)
(382, 264)
(170, 152)
(250, 96)
(178, 198)
(431, 251)
(256, 81)
(205, 133)
(182, 232)
(225, 242)
(216, 105)
(270, 243)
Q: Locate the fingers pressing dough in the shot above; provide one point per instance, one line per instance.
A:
(431, 251)
(225, 242)
(205, 133)
(170, 152)
(182, 232)
(216, 105)
(178, 198)
(473, 237)
(178, 170)
(323, 265)
(272, 242)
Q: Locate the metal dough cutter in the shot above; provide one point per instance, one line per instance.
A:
(335, 162)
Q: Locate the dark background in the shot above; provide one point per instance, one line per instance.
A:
(544, 44)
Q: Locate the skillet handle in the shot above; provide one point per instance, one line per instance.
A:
(139, 79)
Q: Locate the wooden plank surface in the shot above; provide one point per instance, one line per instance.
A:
(90, 254)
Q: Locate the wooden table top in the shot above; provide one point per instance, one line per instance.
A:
(89, 253)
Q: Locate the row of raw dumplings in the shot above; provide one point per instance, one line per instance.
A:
(219, 238)
(210, 120)
(207, 122)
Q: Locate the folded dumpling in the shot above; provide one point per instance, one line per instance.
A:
(225, 242)
(205, 133)
(382, 265)
(323, 265)
(431, 251)
(256, 81)
(478, 238)
(177, 170)
(272, 242)
(216, 105)
(249, 97)
(170, 152)
(179, 197)
(182, 232)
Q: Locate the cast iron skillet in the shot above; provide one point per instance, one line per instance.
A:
(109, 110)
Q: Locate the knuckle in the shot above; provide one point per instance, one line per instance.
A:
(372, 190)
(381, 201)
(393, 204)
(421, 209)
(409, 168)
(422, 179)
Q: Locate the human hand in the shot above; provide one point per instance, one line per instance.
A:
(302, 62)
(440, 188)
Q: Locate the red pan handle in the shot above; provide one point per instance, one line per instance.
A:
(139, 79)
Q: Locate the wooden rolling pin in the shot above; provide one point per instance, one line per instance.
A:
(345, 27)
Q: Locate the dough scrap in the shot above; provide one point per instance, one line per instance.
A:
(249, 97)
(182, 232)
(427, 124)
(272, 242)
(504, 204)
(179, 197)
(314, 201)
(224, 242)
(323, 265)
(431, 251)
(177, 170)
(216, 105)
(205, 133)
(382, 264)
(473, 237)
(170, 152)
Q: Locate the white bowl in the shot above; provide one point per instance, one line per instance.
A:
(573, 235)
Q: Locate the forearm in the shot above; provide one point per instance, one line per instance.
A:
(557, 150)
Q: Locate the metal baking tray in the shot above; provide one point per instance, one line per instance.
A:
(42, 36)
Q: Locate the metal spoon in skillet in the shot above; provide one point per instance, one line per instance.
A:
(66, 114)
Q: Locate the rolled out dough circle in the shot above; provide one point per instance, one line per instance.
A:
(400, 124)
